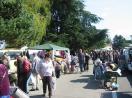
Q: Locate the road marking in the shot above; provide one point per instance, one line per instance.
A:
(114, 94)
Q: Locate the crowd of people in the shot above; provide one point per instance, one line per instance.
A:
(30, 68)
(107, 67)
(114, 56)
(42, 65)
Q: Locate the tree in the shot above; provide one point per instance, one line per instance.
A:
(24, 21)
(73, 26)
(100, 39)
(119, 42)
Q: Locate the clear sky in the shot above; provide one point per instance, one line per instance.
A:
(116, 14)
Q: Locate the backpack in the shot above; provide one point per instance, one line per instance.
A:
(26, 66)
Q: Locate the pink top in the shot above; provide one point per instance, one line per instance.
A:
(4, 80)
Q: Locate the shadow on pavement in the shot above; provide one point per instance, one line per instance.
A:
(127, 74)
(119, 95)
(89, 79)
(82, 80)
(86, 76)
(124, 94)
(106, 95)
(92, 84)
(129, 77)
(37, 96)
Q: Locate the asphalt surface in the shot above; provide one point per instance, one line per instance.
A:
(125, 82)
(84, 86)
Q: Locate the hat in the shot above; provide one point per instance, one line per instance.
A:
(113, 66)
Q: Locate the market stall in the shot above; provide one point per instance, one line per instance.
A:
(52, 47)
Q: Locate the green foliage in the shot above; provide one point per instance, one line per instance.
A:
(99, 39)
(119, 42)
(74, 26)
(10, 8)
(24, 21)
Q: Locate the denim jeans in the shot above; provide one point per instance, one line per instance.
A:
(7, 96)
(81, 66)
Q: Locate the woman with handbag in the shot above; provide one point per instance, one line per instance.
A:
(46, 71)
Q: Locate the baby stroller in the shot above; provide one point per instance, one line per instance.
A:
(111, 82)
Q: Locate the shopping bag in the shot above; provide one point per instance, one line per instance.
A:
(17, 93)
(53, 85)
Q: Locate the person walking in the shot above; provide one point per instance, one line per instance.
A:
(74, 61)
(26, 73)
(19, 65)
(87, 57)
(46, 71)
(35, 66)
(4, 80)
(57, 66)
(81, 59)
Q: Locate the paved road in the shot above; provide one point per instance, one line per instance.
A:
(84, 86)
(125, 89)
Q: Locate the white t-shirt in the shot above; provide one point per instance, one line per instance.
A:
(46, 68)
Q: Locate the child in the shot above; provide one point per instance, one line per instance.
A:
(114, 85)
